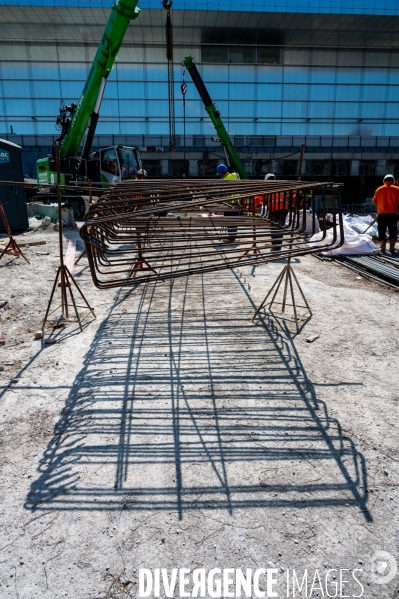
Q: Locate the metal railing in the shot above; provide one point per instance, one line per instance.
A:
(240, 141)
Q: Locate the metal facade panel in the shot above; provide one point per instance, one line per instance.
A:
(340, 141)
(326, 141)
(368, 141)
(313, 141)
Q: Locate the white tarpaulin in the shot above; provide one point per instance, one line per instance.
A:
(360, 224)
(355, 243)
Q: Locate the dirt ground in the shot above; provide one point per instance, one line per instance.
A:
(173, 432)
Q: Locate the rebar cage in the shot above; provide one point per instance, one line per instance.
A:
(154, 230)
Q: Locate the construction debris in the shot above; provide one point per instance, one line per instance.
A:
(48, 213)
(28, 244)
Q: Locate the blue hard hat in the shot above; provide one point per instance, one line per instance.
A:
(222, 168)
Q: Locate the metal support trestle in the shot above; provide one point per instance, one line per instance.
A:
(287, 277)
(64, 277)
(12, 245)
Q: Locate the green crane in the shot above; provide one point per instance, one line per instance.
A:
(123, 11)
(214, 115)
(77, 120)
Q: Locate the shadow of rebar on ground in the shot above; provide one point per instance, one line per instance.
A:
(185, 404)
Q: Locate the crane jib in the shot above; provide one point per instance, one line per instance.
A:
(123, 11)
(214, 115)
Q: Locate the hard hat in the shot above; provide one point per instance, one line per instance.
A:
(269, 176)
(389, 177)
(222, 168)
(142, 172)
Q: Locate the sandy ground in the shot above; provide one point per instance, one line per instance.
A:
(175, 433)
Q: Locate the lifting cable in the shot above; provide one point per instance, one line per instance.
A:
(167, 4)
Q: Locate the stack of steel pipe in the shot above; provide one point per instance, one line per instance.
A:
(151, 230)
(382, 269)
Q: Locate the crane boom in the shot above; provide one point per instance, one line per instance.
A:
(123, 11)
(214, 115)
(108, 165)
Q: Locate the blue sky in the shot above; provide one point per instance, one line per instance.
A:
(369, 7)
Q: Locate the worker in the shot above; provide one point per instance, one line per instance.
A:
(141, 174)
(386, 198)
(114, 172)
(275, 205)
(224, 174)
(262, 200)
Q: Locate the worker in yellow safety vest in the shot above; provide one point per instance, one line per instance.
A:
(223, 172)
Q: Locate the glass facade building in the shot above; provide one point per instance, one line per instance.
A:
(323, 72)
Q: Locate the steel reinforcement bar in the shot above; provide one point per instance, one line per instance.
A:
(144, 231)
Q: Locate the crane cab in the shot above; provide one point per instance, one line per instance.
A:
(118, 163)
(104, 168)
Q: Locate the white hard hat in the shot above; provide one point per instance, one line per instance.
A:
(269, 176)
(389, 177)
(142, 172)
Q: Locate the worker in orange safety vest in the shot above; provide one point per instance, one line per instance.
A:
(386, 198)
(276, 206)
(273, 203)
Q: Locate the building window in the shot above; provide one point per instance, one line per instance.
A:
(269, 55)
(392, 167)
(318, 168)
(342, 168)
(367, 168)
(262, 167)
(153, 168)
(207, 168)
(178, 168)
(288, 168)
(219, 54)
(241, 54)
